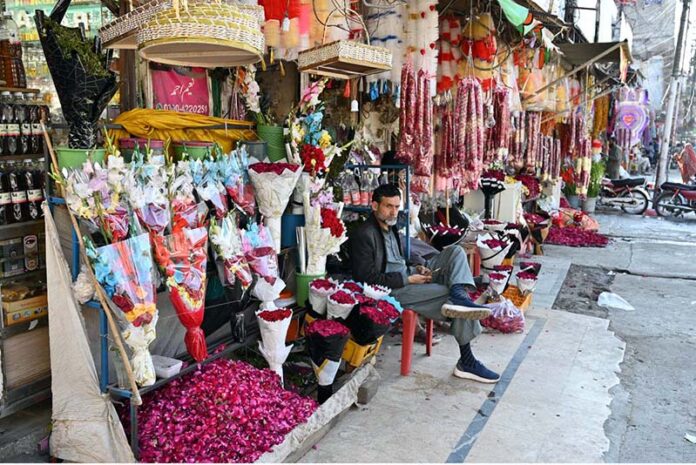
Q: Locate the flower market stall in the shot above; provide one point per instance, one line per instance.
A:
(209, 243)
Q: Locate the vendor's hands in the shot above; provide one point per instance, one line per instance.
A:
(424, 270)
(419, 279)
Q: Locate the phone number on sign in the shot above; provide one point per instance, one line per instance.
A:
(198, 109)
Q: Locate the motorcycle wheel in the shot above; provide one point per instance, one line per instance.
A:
(640, 202)
(665, 203)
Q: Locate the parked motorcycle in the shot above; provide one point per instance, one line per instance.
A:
(629, 194)
(676, 199)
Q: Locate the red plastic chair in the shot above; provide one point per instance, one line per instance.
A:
(410, 322)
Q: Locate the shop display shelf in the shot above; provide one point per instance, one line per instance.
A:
(11, 231)
(26, 156)
(25, 275)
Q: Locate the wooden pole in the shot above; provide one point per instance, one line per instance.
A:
(135, 398)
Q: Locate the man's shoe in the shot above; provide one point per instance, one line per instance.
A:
(476, 372)
(465, 310)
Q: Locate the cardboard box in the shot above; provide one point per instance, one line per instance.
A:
(25, 310)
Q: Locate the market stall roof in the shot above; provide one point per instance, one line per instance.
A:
(601, 52)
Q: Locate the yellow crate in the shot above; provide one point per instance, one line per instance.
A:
(355, 354)
(523, 302)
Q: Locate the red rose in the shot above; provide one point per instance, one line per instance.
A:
(329, 219)
(352, 286)
(342, 297)
(275, 315)
(322, 284)
(313, 159)
(326, 328)
(276, 168)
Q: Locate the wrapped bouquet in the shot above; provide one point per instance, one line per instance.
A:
(229, 253)
(326, 340)
(324, 234)
(273, 325)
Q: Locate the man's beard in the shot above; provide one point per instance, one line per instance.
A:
(388, 221)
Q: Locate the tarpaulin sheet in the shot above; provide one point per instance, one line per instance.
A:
(85, 424)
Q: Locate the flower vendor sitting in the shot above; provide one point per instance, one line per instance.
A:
(437, 291)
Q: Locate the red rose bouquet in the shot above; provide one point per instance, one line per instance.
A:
(273, 325)
(319, 291)
(340, 304)
(526, 282)
(313, 159)
(183, 256)
(324, 234)
(326, 340)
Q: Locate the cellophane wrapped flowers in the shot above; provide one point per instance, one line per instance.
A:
(226, 412)
(146, 184)
(371, 321)
(186, 212)
(497, 282)
(526, 282)
(319, 291)
(324, 233)
(273, 184)
(124, 269)
(234, 173)
(375, 291)
(229, 253)
(492, 250)
(273, 325)
(340, 304)
(326, 340)
(183, 256)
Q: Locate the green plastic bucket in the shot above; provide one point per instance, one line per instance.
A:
(197, 150)
(75, 158)
(275, 138)
(302, 281)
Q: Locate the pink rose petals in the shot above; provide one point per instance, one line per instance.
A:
(227, 411)
(352, 286)
(343, 298)
(374, 314)
(322, 284)
(576, 237)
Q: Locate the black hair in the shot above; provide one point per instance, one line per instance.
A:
(385, 190)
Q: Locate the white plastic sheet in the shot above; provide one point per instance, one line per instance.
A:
(85, 425)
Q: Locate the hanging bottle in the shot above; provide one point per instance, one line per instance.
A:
(18, 193)
(21, 118)
(34, 191)
(10, 127)
(5, 198)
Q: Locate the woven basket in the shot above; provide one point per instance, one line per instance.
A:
(345, 59)
(121, 32)
(207, 35)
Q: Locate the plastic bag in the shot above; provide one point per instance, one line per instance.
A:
(505, 317)
(615, 301)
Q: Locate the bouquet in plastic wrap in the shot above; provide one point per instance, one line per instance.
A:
(183, 256)
(492, 250)
(186, 212)
(319, 291)
(273, 325)
(324, 234)
(273, 184)
(326, 340)
(124, 269)
(229, 254)
(146, 184)
(340, 304)
(497, 283)
(371, 321)
(526, 281)
(504, 317)
(259, 252)
(233, 170)
(207, 180)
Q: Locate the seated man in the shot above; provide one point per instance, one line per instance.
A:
(437, 291)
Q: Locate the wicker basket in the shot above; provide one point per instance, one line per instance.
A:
(207, 35)
(345, 59)
(121, 32)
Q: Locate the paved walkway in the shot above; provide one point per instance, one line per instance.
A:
(550, 405)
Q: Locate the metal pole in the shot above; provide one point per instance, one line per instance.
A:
(669, 120)
(596, 24)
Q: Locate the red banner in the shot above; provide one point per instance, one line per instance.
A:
(180, 89)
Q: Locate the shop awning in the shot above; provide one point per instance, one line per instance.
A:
(602, 52)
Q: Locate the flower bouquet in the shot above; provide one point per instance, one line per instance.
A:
(234, 173)
(504, 270)
(376, 291)
(531, 267)
(208, 184)
(442, 235)
(124, 270)
(273, 183)
(268, 291)
(497, 283)
(324, 234)
(494, 225)
(539, 226)
(492, 183)
(319, 291)
(352, 287)
(370, 322)
(185, 211)
(183, 256)
(492, 250)
(225, 412)
(259, 252)
(326, 340)
(340, 304)
(273, 325)
(146, 185)
(229, 253)
(526, 282)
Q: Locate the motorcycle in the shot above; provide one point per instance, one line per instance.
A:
(629, 194)
(676, 199)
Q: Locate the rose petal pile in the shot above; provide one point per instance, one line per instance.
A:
(275, 315)
(352, 286)
(533, 218)
(531, 183)
(276, 168)
(343, 298)
(322, 284)
(227, 411)
(498, 175)
(326, 328)
(576, 237)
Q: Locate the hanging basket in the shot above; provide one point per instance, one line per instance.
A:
(345, 59)
(121, 32)
(207, 35)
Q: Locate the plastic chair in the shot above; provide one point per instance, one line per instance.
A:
(410, 322)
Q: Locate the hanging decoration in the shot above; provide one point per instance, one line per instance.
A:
(386, 29)
(498, 128)
(449, 53)
(421, 34)
(632, 113)
(479, 48)
(470, 132)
